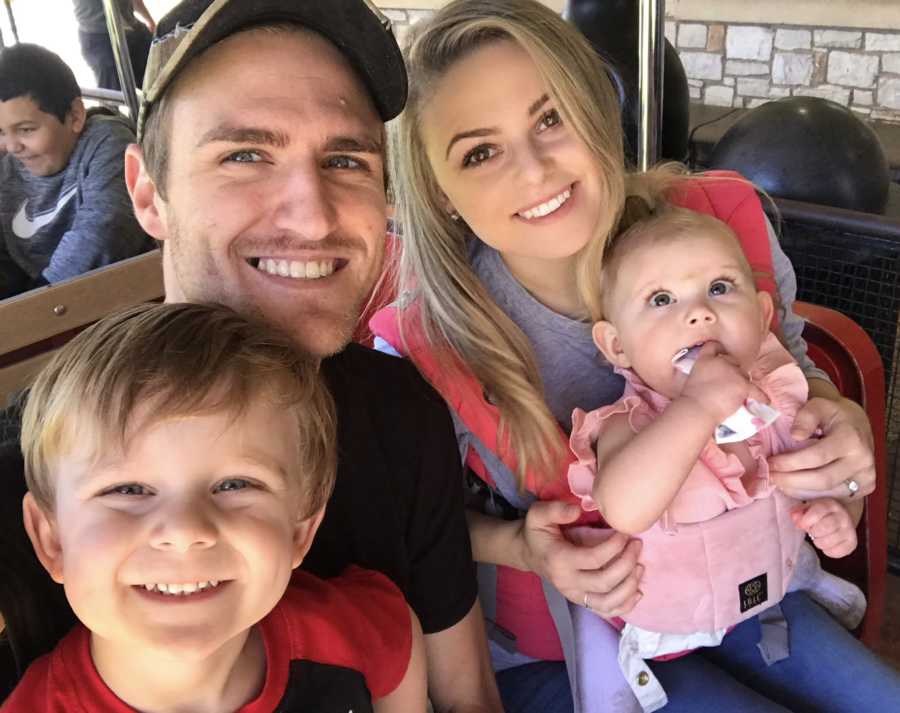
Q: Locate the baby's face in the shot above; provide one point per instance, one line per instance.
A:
(675, 294)
(188, 538)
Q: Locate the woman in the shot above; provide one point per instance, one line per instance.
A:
(508, 168)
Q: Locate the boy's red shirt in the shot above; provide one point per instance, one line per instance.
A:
(331, 645)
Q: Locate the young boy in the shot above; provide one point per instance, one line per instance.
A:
(178, 460)
(64, 208)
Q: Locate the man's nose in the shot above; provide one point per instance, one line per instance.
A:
(184, 525)
(304, 204)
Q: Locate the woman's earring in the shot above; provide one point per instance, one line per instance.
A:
(454, 216)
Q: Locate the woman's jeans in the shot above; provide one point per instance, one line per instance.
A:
(828, 671)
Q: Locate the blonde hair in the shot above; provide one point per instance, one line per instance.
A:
(456, 312)
(650, 212)
(176, 360)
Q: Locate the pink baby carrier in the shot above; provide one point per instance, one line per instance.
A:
(726, 547)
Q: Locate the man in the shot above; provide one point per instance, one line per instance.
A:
(64, 209)
(96, 45)
(261, 170)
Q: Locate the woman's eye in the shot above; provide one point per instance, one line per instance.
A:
(720, 287)
(232, 484)
(126, 489)
(661, 299)
(478, 155)
(549, 120)
(244, 157)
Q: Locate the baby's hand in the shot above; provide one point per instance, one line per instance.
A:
(829, 525)
(717, 384)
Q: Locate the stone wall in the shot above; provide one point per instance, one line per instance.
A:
(745, 65)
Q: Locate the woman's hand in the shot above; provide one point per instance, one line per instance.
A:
(589, 566)
(843, 454)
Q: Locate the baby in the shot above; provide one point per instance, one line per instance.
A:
(178, 459)
(720, 543)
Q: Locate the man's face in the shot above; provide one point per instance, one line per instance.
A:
(38, 140)
(276, 202)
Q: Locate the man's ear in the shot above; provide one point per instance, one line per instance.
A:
(143, 194)
(77, 115)
(44, 536)
(766, 309)
(606, 337)
(304, 531)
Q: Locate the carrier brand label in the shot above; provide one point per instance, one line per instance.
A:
(753, 592)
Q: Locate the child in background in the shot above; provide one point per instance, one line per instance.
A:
(178, 460)
(720, 543)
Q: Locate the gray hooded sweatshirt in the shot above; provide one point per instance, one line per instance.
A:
(56, 227)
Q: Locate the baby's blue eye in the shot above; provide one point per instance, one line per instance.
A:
(661, 299)
(719, 287)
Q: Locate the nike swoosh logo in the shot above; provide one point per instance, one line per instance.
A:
(26, 229)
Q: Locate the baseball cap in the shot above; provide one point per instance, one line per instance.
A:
(356, 27)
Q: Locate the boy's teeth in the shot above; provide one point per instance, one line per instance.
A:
(297, 269)
(181, 589)
(547, 208)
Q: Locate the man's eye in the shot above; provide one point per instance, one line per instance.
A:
(244, 157)
(344, 162)
(661, 299)
(478, 155)
(720, 287)
(132, 489)
(232, 484)
(550, 119)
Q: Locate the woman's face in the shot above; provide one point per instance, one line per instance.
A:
(506, 160)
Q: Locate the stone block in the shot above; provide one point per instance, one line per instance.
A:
(820, 67)
(692, 35)
(793, 39)
(792, 68)
(852, 69)
(702, 65)
(890, 62)
(694, 92)
(863, 111)
(396, 16)
(749, 42)
(401, 32)
(753, 103)
(889, 92)
(882, 42)
(671, 30)
(728, 81)
(779, 92)
(837, 38)
(740, 68)
(416, 15)
(862, 97)
(715, 39)
(826, 91)
(718, 96)
(753, 87)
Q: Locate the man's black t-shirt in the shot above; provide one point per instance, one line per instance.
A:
(397, 505)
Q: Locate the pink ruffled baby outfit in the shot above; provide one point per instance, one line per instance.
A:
(725, 549)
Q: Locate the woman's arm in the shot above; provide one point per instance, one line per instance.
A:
(607, 571)
(846, 450)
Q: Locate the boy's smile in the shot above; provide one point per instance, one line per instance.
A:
(38, 140)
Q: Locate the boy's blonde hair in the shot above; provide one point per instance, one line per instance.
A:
(175, 360)
(457, 313)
